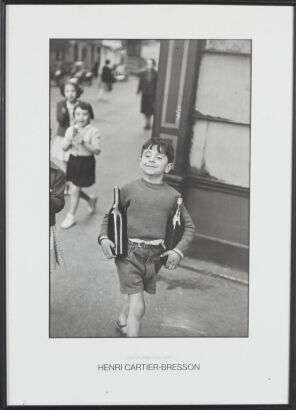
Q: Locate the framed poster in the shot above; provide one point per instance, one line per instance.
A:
(148, 199)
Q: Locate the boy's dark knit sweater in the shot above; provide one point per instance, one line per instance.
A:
(148, 208)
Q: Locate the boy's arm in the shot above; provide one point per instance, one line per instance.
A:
(104, 229)
(188, 234)
(106, 244)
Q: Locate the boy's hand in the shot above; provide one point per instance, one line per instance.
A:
(107, 247)
(173, 259)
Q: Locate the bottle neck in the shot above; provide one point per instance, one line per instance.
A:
(116, 196)
(179, 207)
(177, 216)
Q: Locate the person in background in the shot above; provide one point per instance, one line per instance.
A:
(95, 68)
(56, 204)
(107, 80)
(83, 141)
(147, 87)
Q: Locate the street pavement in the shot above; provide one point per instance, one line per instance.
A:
(198, 299)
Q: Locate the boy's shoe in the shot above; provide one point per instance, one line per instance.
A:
(68, 221)
(120, 328)
(92, 203)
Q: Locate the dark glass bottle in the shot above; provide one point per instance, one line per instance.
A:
(175, 228)
(117, 226)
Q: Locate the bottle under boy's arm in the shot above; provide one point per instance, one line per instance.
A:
(188, 233)
(104, 234)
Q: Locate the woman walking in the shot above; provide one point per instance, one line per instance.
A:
(147, 87)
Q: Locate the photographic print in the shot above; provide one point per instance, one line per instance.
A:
(149, 219)
(158, 119)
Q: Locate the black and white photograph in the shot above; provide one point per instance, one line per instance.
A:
(148, 165)
(149, 187)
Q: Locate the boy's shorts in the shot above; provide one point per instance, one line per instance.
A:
(137, 271)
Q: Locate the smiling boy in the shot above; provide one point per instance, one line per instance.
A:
(150, 202)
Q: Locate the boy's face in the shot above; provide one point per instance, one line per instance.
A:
(154, 163)
(81, 117)
(70, 92)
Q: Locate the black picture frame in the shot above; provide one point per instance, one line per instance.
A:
(3, 274)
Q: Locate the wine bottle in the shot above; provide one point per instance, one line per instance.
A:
(117, 226)
(175, 228)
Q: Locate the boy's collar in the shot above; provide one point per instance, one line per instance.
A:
(152, 184)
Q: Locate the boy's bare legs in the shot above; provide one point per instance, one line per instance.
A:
(135, 315)
(122, 318)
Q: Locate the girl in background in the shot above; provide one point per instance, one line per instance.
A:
(82, 140)
(64, 115)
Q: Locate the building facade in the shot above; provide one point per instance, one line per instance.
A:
(92, 53)
(203, 109)
(132, 53)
